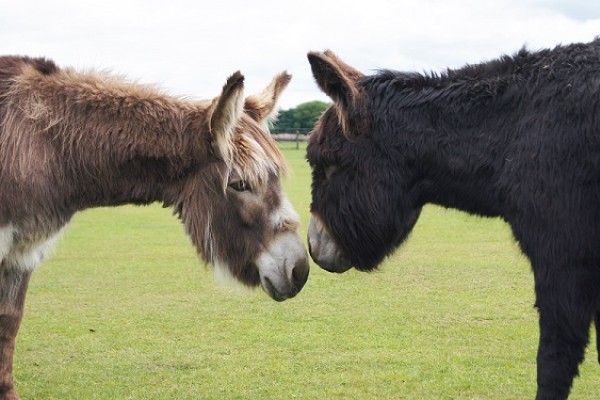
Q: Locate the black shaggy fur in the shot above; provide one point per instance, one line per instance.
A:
(517, 138)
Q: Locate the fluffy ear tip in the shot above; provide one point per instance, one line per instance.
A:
(312, 55)
(284, 78)
(235, 79)
(318, 60)
(321, 54)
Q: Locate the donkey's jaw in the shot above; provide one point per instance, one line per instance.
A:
(283, 267)
(323, 249)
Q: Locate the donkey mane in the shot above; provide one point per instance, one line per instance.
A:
(94, 109)
(504, 66)
(475, 82)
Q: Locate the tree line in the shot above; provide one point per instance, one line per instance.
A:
(300, 119)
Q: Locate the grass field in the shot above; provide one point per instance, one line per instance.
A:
(124, 310)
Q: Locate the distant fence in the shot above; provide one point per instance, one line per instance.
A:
(290, 135)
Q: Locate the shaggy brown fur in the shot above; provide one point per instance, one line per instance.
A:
(71, 141)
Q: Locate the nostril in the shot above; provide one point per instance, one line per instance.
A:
(300, 273)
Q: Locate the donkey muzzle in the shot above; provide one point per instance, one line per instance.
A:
(324, 250)
(283, 267)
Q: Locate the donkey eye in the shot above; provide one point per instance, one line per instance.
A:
(330, 170)
(240, 186)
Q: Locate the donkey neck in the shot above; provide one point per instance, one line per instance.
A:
(102, 141)
(141, 162)
(458, 155)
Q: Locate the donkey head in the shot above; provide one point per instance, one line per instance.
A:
(362, 208)
(233, 206)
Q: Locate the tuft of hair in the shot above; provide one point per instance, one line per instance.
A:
(223, 277)
(256, 155)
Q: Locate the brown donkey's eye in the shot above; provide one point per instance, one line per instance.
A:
(240, 186)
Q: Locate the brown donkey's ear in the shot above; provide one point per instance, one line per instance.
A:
(225, 111)
(340, 82)
(262, 107)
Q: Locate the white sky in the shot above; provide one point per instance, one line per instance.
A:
(189, 47)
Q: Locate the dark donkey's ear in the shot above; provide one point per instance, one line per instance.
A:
(262, 107)
(340, 82)
(225, 112)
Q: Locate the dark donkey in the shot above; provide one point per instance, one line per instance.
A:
(517, 137)
(71, 141)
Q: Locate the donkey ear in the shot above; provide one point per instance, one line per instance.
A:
(340, 82)
(225, 111)
(262, 107)
(349, 71)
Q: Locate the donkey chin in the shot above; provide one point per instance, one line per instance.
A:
(324, 250)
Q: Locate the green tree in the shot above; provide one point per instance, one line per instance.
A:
(301, 118)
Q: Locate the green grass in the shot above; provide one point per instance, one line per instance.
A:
(124, 310)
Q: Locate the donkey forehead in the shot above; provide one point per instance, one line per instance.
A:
(256, 156)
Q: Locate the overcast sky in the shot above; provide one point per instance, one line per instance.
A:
(190, 47)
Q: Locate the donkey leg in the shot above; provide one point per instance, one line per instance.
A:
(13, 286)
(566, 308)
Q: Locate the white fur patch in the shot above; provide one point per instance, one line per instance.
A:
(226, 280)
(222, 274)
(6, 240)
(25, 255)
(285, 214)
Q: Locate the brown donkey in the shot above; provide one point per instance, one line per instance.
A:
(71, 141)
